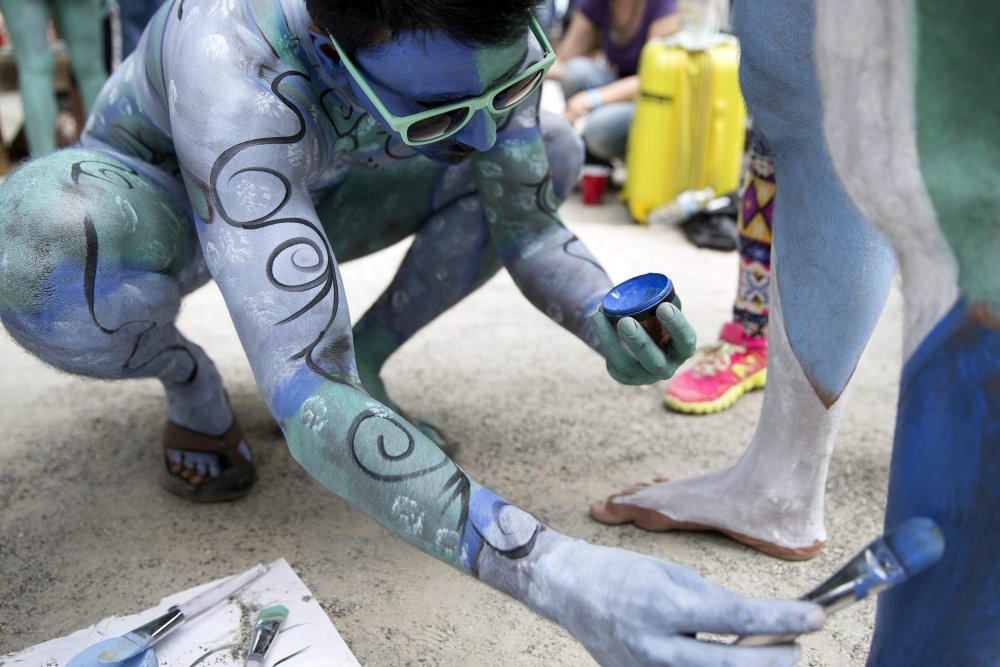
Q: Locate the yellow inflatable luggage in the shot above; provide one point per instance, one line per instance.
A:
(689, 125)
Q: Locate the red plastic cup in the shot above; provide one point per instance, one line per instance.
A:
(592, 184)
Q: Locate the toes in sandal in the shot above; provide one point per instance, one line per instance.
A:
(205, 468)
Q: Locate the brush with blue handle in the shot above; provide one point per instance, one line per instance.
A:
(888, 561)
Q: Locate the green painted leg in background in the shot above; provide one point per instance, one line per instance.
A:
(79, 23)
(27, 21)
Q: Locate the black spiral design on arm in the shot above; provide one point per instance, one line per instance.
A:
(381, 445)
(325, 280)
(384, 451)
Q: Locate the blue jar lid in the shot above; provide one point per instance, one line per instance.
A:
(638, 294)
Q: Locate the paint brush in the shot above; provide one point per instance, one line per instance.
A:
(118, 650)
(888, 561)
(264, 632)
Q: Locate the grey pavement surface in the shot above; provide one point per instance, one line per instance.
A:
(86, 531)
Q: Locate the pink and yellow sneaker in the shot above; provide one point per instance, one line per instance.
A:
(720, 373)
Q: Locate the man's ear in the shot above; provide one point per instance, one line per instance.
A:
(327, 55)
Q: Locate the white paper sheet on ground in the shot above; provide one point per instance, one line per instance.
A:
(219, 637)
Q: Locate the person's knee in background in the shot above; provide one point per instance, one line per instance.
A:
(582, 73)
(606, 131)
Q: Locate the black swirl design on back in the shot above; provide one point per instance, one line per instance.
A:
(142, 142)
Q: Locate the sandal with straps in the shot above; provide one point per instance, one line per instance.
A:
(204, 468)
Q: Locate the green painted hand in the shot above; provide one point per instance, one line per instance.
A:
(632, 356)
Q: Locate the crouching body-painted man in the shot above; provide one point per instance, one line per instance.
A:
(255, 141)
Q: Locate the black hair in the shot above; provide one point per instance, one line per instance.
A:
(357, 24)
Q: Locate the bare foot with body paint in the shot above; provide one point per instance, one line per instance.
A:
(725, 501)
(772, 498)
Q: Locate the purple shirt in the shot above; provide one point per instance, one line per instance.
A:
(624, 58)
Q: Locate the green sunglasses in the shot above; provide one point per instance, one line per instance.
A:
(439, 123)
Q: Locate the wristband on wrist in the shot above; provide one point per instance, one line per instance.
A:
(595, 99)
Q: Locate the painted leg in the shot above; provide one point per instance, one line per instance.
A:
(917, 65)
(94, 261)
(834, 276)
(80, 24)
(451, 256)
(28, 22)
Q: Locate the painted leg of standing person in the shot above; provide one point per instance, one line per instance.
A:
(721, 373)
(80, 25)
(28, 22)
(832, 272)
(922, 163)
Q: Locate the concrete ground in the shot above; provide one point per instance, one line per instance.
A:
(86, 531)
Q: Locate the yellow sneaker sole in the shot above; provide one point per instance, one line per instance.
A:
(749, 383)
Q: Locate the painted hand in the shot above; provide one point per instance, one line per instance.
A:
(633, 357)
(635, 610)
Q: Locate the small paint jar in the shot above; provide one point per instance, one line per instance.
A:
(638, 298)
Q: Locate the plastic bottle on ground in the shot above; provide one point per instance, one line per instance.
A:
(680, 209)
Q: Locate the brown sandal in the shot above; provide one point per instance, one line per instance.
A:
(193, 479)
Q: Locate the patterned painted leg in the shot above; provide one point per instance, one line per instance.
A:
(94, 260)
(737, 363)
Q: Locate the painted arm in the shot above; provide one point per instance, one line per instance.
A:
(552, 267)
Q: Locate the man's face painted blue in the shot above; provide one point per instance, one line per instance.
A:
(416, 72)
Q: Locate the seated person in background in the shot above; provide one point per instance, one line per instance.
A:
(604, 92)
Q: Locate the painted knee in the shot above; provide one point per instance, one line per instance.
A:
(87, 263)
(565, 151)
